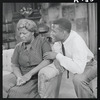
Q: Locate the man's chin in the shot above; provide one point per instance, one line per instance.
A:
(53, 42)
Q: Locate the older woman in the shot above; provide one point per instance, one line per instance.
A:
(27, 60)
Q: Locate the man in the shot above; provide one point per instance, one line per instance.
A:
(78, 59)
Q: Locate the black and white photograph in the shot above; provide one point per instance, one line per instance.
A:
(49, 50)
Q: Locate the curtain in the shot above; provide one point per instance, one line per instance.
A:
(7, 12)
(92, 16)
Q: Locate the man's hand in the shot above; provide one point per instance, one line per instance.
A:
(50, 55)
(58, 66)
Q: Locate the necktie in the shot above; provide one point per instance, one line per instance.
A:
(63, 51)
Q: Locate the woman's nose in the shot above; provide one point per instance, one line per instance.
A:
(21, 35)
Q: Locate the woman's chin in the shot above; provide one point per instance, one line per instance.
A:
(24, 41)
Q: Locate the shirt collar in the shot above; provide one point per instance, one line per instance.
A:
(34, 41)
(24, 46)
(69, 37)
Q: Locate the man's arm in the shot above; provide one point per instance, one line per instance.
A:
(77, 62)
(70, 64)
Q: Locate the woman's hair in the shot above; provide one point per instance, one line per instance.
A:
(30, 25)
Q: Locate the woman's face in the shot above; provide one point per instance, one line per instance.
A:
(26, 35)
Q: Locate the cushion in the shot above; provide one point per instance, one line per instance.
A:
(7, 54)
(49, 71)
(6, 72)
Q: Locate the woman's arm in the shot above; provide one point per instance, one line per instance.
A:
(45, 48)
(27, 76)
(18, 74)
(41, 65)
(16, 70)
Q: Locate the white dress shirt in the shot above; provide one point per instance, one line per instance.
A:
(77, 54)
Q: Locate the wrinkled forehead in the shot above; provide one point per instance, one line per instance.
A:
(23, 31)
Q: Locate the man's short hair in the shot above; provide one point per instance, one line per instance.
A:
(64, 24)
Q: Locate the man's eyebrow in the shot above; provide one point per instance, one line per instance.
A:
(53, 30)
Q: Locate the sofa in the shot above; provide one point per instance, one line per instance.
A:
(47, 88)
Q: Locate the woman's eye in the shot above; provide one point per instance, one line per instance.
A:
(24, 33)
(20, 33)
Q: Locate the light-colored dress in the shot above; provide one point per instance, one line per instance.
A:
(26, 60)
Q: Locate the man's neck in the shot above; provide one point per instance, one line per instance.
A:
(65, 37)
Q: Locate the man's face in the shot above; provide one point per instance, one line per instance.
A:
(56, 33)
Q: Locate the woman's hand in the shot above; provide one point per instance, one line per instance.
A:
(27, 77)
(20, 81)
(23, 79)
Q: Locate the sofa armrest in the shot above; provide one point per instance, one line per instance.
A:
(7, 54)
(49, 82)
(6, 73)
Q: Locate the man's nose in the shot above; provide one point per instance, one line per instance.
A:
(49, 39)
(51, 35)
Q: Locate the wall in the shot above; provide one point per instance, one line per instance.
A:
(9, 10)
(77, 13)
(50, 12)
(92, 13)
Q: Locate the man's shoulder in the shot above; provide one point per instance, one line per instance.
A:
(77, 37)
(74, 32)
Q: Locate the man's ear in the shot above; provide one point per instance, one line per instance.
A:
(32, 33)
(64, 33)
